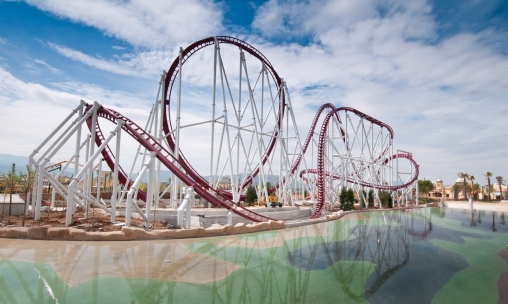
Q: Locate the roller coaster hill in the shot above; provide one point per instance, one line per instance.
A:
(221, 112)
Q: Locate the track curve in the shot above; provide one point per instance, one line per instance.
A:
(165, 157)
(172, 74)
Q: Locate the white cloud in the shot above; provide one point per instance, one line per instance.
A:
(47, 66)
(100, 64)
(444, 99)
(3, 41)
(143, 23)
(31, 111)
(147, 64)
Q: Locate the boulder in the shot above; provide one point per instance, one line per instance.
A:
(58, 233)
(239, 228)
(76, 234)
(18, 232)
(164, 234)
(113, 236)
(4, 232)
(133, 233)
(277, 225)
(214, 230)
(189, 233)
(38, 233)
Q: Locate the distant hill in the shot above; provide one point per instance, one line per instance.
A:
(6, 161)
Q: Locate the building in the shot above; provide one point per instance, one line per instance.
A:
(456, 193)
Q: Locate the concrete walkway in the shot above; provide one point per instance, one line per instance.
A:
(494, 206)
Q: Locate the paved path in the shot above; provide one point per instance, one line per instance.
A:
(495, 206)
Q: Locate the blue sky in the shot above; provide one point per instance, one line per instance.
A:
(433, 70)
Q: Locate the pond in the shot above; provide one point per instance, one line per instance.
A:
(412, 256)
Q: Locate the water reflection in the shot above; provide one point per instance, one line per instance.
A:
(478, 219)
(365, 257)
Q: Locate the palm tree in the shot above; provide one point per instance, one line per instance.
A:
(487, 177)
(471, 178)
(500, 181)
(464, 177)
(455, 189)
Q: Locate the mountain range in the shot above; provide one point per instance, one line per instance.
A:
(6, 161)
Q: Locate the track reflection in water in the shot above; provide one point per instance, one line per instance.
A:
(374, 257)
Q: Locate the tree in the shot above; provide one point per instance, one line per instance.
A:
(487, 177)
(476, 189)
(471, 178)
(464, 177)
(370, 198)
(347, 198)
(488, 190)
(455, 189)
(500, 181)
(251, 195)
(350, 199)
(385, 198)
(11, 180)
(343, 198)
(425, 186)
(26, 184)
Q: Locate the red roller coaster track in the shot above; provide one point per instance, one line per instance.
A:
(188, 175)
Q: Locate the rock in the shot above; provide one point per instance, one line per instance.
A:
(256, 227)
(77, 234)
(94, 236)
(189, 233)
(228, 229)
(164, 234)
(4, 233)
(277, 225)
(18, 232)
(133, 233)
(113, 236)
(214, 230)
(38, 233)
(240, 228)
(58, 233)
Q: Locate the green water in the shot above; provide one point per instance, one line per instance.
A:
(417, 256)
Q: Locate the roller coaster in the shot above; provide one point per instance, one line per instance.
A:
(213, 118)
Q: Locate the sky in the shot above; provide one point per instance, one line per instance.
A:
(435, 71)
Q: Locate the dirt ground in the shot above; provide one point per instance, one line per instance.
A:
(95, 222)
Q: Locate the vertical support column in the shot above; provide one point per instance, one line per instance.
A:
(114, 195)
(230, 218)
(190, 197)
(86, 180)
(397, 178)
(161, 138)
(91, 152)
(177, 131)
(99, 175)
(70, 201)
(52, 205)
(150, 188)
(417, 193)
(72, 206)
(238, 120)
(211, 179)
(40, 180)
